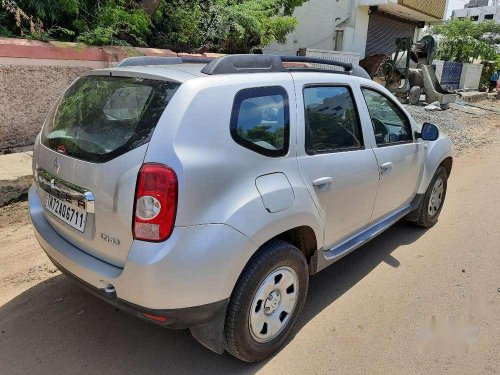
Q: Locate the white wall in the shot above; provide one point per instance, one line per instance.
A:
(316, 28)
(356, 41)
(318, 20)
(481, 12)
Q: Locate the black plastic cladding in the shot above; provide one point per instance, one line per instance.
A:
(159, 60)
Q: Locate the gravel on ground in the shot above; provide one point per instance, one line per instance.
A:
(467, 131)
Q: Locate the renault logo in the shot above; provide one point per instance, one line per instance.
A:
(57, 165)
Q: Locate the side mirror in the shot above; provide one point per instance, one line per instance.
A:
(430, 132)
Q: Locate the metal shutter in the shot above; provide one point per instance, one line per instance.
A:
(382, 34)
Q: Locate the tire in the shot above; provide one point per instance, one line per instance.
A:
(427, 216)
(251, 319)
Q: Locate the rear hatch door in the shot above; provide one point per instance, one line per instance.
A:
(91, 148)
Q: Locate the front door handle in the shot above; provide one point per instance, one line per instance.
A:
(323, 181)
(386, 167)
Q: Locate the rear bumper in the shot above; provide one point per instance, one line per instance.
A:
(187, 278)
(175, 318)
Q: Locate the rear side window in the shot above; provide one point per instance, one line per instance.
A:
(331, 120)
(260, 120)
(102, 117)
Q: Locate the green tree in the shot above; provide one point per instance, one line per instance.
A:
(123, 22)
(120, 22)
(228, 26)
(463, 40)
(50, 12)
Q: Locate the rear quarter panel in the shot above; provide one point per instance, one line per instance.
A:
(216, 175)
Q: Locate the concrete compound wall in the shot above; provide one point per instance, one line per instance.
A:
(26, 95)
(34, 74)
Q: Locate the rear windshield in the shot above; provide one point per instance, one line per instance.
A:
(102, 117)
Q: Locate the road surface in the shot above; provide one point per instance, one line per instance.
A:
(412, 301)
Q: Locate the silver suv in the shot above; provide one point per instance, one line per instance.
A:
(203, 194)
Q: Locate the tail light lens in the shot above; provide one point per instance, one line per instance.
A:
(155, 202)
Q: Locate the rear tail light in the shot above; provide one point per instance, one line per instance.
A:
(155, 203)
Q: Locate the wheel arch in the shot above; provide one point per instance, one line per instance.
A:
(439, 153)
(447, 164)
(303, 238)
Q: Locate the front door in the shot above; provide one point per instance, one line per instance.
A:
(400, 158)
(341, 175)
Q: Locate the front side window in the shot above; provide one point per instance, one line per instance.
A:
(260, 120)
(390, 124)
(331, 120)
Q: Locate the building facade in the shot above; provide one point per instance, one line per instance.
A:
(365, 27)
(480, 10)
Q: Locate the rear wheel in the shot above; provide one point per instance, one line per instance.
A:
(266, 301)
(432, 203)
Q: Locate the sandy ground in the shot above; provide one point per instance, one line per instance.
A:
(410, 302)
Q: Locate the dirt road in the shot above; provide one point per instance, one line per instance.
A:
(412, 301)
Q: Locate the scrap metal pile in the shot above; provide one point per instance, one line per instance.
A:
(408, 73)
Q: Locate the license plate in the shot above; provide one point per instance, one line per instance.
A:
(70, 214)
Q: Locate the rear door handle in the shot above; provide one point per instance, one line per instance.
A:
(386, 167)
(323, 181)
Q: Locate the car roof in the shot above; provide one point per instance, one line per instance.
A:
(178, 72)
(182, 69)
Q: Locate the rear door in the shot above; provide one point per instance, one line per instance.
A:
(92, 146)
(399, 155)
(339, 169)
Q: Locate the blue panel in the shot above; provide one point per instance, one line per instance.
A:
(452, 72)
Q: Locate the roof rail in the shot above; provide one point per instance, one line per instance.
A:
(349, 68)
(317, 60)
(231, 64)
(160, 60)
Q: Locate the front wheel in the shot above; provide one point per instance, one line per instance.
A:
(432, 203)
(266, 301)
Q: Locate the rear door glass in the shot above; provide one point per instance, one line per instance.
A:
(331, 120)
(102, 117)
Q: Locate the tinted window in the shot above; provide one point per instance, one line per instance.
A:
(331, 120)
(101, 117)
(260, 120)
(390, 124)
